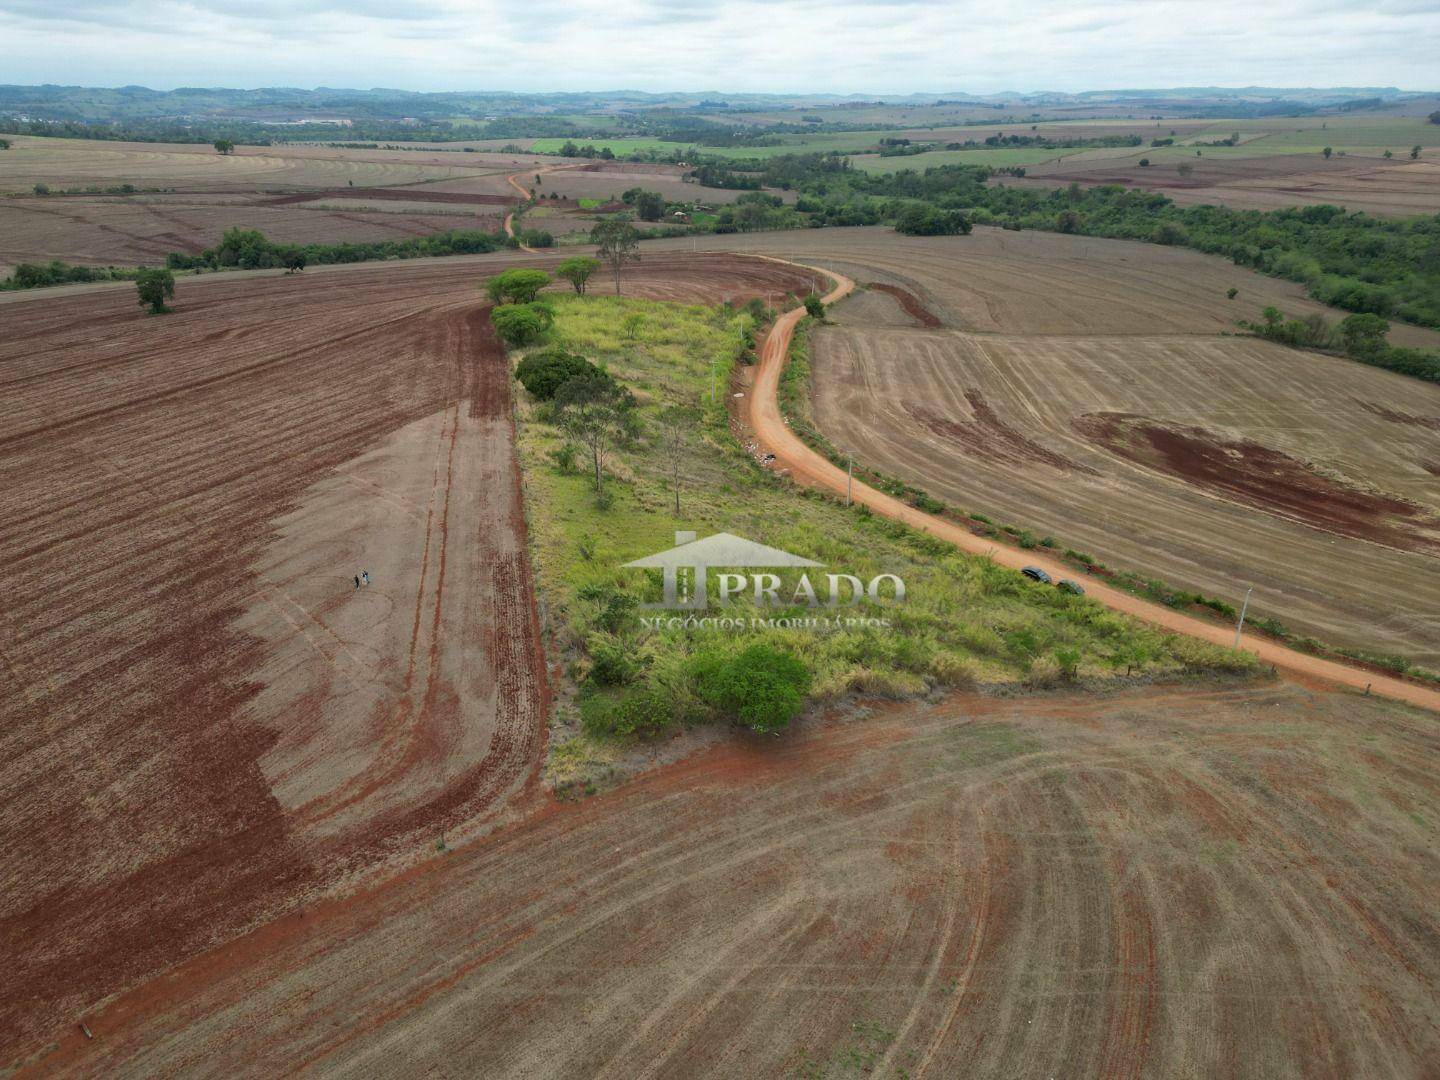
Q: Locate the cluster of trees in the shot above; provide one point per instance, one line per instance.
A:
(570, 149)
(43, 275)
(921, 219)
(249, 249)
(1361, 337)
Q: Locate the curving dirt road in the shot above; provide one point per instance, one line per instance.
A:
(811, 468)
(525, 195)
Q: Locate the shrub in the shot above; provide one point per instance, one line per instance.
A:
(611, 665)
(814, 307)
(521, 324)
(762, 687)
(516, 286)
(643, 712)
(545, 372)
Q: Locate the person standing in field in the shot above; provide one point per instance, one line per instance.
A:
(365, 576)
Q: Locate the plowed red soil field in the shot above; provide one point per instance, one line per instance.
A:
(203, 721)
(1159, 882)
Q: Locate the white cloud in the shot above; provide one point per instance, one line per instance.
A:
(861, 46)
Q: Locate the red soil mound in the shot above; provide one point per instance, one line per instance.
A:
(1264, 478)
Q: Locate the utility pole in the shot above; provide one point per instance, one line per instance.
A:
(1243, 608)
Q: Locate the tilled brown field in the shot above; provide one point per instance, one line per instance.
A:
(1159, 882)
(203, 721)
(63, 163)
(136, 230)
(1399, 187)
(1210, 463)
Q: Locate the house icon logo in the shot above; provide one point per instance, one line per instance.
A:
(686, 567)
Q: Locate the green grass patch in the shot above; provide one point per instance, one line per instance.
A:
(964, 620)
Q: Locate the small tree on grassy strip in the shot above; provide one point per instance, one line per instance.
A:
(521, 324)
(577, 270)
(1414, 152)
(155, 286)
(545, 372)
(815, 307)
(516, 286)
(675, 423)
(224, 146)
(618, 243)
(596, 412)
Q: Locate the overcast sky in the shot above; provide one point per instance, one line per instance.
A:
(843, 46)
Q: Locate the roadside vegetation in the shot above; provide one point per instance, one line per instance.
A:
(657, 455)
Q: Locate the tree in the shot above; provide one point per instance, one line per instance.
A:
(516, 286)
(618, 243)
(521, 324)
(1327, 151)
(224, 146)
(1231, 293)
(1364, 335)
(545, 372)
(1184, 168)
(577, 270)
(675, 423)
(1435, 117)
(1144, 162)
(1388, 154)
(1414, 152)
(596, 412)
(155, 286)
(649, 205)
(815, 307)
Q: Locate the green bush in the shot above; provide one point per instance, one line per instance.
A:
(642, 712)
(545, 372)
(611, 664)
(762, 687)
(516, 286)
(521, 324)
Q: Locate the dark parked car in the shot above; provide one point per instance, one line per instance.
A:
(1037, 574)
(1071, 586)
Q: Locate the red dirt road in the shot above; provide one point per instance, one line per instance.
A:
(809, 467)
